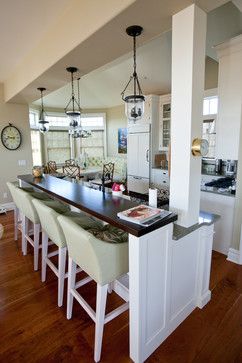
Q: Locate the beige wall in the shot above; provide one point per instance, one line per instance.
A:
(18, 115)
(115, 119)
(211, 73)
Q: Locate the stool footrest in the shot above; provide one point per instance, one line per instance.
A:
(83, 282)
(116, 312)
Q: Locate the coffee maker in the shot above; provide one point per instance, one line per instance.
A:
(231, 168)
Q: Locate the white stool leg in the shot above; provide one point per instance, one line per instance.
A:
(16, 213)
(100, 315)
(25, 228)
(71, 285)
(61, 274)
(36, 245)
(44, 255)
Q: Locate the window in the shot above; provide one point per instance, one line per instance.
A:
(95, 145)
(58, 146)
(35, 138)
(210, 105)
(57, 143)
(58, 121)
(210, 135)
(36, 147)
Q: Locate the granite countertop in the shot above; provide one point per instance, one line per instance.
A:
(215, 191)
(205, 219)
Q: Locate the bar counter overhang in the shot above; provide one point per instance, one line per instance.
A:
(168, 278)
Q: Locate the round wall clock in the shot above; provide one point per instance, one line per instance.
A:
(11, 137)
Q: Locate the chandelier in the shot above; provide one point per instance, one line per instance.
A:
(73, 109)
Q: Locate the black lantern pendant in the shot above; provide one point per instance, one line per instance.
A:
(43, 124)
(73, 109)
(134, 104)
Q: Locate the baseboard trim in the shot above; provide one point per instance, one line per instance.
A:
(7, 206)
(234, 256)
(204, 299)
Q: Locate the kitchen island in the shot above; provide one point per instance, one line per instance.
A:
(168, 278)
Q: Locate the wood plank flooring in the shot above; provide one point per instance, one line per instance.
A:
(34, 329)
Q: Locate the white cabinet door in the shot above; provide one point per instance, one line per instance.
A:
(138, 154)
(132, 156)
(224, 206)
(144, 155)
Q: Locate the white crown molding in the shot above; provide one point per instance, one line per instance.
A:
(238, 4)
(229, 46)
(7, 206)
(234, 256)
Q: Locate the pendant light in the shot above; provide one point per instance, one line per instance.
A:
(43, 124)
(73, 109)
(134, 104)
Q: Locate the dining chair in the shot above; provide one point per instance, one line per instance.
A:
(70, 162)
(71, 171)
(51, 167)
(106, 177)
(103, 255)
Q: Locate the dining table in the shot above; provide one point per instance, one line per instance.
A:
(168, 277)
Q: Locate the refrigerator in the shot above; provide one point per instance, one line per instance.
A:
(138, 158)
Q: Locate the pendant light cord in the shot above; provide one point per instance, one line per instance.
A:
(134, 57)
(134, 76)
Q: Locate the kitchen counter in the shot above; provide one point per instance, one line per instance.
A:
(205, 219)
(215, 191)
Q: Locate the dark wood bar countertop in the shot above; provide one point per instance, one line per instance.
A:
(101, 205)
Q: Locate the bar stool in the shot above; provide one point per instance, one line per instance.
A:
(52, 230)
(17, 219)
(104, 262)
(25, 205)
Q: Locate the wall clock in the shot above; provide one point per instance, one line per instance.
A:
(11, 137)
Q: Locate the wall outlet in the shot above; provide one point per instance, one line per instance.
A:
(5, 195)
(22, 162)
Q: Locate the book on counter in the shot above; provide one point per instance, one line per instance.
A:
(143, 214)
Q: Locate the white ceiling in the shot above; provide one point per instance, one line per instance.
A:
(102, 87)
(22, 24)
(99, 48)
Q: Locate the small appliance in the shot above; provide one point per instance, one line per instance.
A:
(231, 167)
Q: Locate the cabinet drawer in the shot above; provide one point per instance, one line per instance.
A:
(138, 184)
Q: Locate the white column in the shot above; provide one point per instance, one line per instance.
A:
(188, 67)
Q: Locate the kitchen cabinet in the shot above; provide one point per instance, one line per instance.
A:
(160, 177)
(229, 92)
(224, 206)
(165, 122)
(151, 110)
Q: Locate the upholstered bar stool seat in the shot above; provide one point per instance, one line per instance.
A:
(104, 260)
(24, 203)
(52, 230)
(17, 217)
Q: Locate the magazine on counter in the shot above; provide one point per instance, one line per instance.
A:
(143, 214)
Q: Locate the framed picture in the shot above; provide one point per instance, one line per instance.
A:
(122, 141)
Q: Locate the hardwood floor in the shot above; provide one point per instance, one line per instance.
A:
(34, 329)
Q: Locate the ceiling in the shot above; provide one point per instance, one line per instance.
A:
(91, 53)
(101, 88)
(22, 25)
